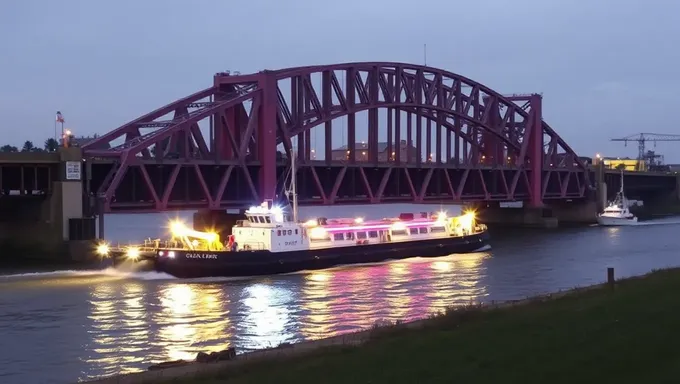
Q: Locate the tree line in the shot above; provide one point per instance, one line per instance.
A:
(50, 145)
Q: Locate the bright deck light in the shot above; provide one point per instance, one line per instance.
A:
(132, 253)
(103, 249)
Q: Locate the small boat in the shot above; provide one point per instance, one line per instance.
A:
(271, 240)
(617, 212)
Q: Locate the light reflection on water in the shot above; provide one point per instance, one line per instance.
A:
(131, 322)
(80, 325)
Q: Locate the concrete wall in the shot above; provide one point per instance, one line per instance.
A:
(550, 216)
(579, 212)
(38, 227)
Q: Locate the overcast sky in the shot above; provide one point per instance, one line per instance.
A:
(607, 68)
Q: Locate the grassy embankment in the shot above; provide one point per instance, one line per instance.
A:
(628, 334)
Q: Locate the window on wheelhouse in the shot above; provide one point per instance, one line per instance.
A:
(361, 236)
(338, 236)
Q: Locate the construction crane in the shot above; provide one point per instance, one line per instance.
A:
(650, 158)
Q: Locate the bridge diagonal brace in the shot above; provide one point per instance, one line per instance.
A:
(565, 184)
(250, 127)
(250, 183)
(149, 186)
(367, 185)
(336, 186)
(204, 186)
(223, 184)
(582, 185)
(200, 140)
(504, 182)
(462, 182)
(228, 130)
(319, 187)
(167, 193)
(108, 178)
(383, 183)
(546, 180)
(487, 195)
(285, 134)
(409, 181)
(449, 184)
(115, 182)
(426, 184)
(513, 184)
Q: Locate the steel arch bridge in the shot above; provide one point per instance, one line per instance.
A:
(390, 132)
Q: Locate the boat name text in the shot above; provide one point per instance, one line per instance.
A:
(201, 256)
(288, 243)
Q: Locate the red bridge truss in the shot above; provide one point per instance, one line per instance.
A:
(363, 133)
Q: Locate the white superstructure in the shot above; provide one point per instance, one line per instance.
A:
(268, 227)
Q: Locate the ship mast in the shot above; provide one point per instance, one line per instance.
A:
(293, 185)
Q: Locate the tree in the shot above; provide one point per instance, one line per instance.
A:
(28, 146)
(51, 145)
(8, 148)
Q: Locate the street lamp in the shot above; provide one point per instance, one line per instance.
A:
(66, 136)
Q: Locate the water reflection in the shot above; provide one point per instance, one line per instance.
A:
(354, 298)
(192, 318)
(119, 330)
(317, 305)
(266, 321)
(457, 281)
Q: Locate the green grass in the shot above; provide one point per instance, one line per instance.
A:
(630, 334)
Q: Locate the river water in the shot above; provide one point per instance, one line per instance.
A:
(69, 326)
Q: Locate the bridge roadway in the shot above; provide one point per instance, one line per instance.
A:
(33, 174)
(28, 173)
(642, 185)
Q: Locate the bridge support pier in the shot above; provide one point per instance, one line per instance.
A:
(532, 217)
(50, 226)
(600, 186)
(548, 216)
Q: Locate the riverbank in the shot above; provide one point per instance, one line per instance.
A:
(623, 333)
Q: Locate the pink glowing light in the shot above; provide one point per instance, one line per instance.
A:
(427, 223)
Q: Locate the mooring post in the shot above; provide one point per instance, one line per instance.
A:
(610, 276)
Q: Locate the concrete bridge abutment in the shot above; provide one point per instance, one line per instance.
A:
(50, 225)
(551, 215)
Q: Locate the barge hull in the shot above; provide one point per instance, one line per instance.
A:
(196, 264)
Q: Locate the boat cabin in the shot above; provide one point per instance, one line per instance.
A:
(268, 228)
